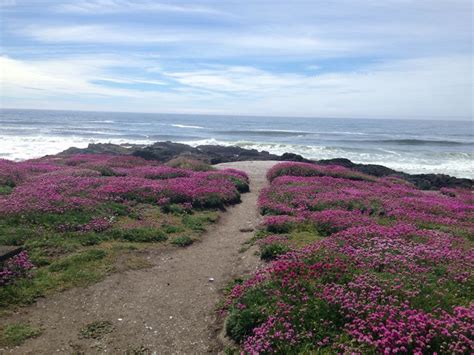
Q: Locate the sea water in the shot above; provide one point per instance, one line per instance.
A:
(413, 146)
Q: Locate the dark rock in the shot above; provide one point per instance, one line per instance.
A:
(164, 151)
(246, 230)
(422, 181)
(221, 154)
(104, 148)
(337, 161)
(215, 154)
(293, 157)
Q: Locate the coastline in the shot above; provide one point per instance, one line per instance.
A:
(216, 154)
(414, 147)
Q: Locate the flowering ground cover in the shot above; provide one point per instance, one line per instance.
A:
(360, 265)
(77, 215)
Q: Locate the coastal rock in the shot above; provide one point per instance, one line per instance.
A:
(104, 148)
(422, 181)
(221, 154)
(164, 151)
(216, 154)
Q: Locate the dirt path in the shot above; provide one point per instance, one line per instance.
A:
(169, 308)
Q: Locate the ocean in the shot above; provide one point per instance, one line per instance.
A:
(412, 146)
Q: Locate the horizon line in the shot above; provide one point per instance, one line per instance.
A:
(412, 118)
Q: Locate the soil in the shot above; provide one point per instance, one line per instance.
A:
(169, 308)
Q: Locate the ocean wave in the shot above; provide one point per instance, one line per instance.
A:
(266, 132)
(452, 163)
(29, 147)
(416, 142)
(186, 126)
(170, 137)
(343, 132)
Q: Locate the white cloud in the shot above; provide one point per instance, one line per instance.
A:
(283, 58)
(431, 87)
(126, 6)
(48, 78)
(98, 34)
(197, 42)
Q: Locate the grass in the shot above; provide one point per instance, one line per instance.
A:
(17, 334)
(96, 330)
(182, 241)
(198, 222)
(302, 238)
(5, 190)
(140, 235)
(298, 237)
(71, 258)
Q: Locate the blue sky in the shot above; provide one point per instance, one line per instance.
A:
(333, 58)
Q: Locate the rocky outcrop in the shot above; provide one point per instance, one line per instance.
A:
(422, 181)
(165, 151)
(104, 148)
(215, 154)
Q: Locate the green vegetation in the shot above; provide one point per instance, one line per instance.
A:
(271, 251)
(16, 334)
(96, 330)
(182, 241)
(140, 235)
(65, 258)
(189, 164)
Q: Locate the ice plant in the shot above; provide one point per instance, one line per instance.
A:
(83, 182)
(394, 274)
(14, 268)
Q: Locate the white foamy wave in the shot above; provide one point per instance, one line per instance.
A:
(22, 148)
(187, 126)
(457, 164)
(343, 132)
(281, 131)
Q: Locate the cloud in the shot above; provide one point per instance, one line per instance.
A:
(431, 87)
(98, 34)
(51, 77)
(95, 7)
(346, 58)
(196, 42)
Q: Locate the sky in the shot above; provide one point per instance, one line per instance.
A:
(332, 58)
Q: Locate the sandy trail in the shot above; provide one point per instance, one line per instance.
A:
(169, 308)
